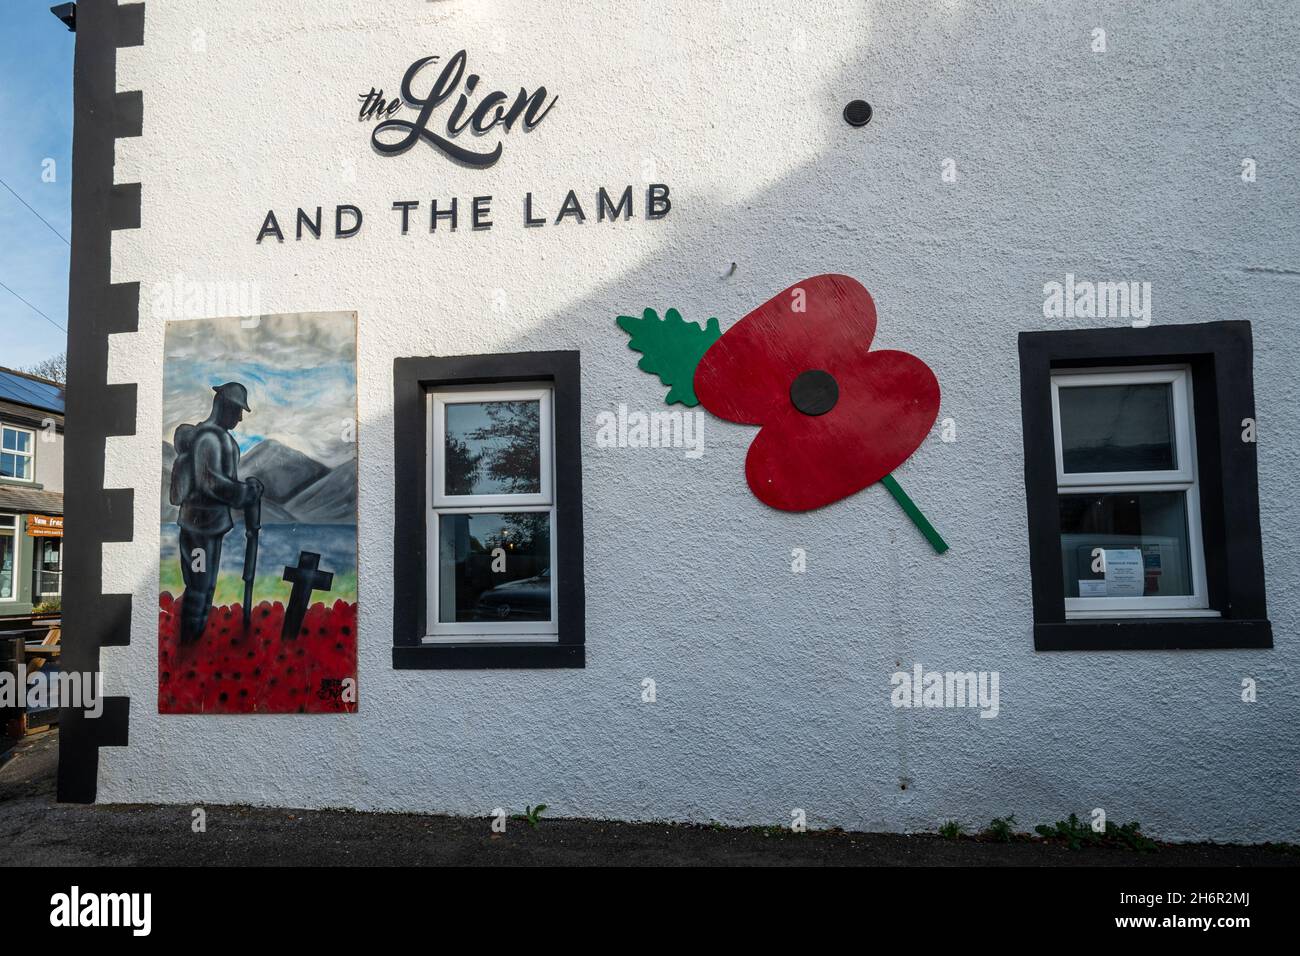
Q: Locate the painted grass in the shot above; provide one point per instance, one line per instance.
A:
(266, 587)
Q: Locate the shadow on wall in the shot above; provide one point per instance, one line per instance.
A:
(779, 689)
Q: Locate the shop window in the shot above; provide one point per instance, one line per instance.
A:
(49, 567)
(1141, 487)
(16, 452)
(8, 557)
(488, 535)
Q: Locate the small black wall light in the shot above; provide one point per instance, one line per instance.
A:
(857, 113)
(67, 12)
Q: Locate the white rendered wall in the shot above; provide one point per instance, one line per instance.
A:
(49, 460)
(772, 687)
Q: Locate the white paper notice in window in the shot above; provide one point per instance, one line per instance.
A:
(1124, 572)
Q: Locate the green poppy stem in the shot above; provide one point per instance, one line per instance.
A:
(913, 512)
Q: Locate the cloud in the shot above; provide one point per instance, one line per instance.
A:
(299, 369)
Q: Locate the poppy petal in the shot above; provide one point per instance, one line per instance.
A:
(888, 401)
(826, 322)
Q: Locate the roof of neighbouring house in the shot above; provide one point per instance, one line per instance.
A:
(30, 501)
(31, 390)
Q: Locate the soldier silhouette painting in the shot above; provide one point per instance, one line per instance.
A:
(206, 485)
(258, 436)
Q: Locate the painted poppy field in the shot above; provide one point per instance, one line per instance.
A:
(229, 672)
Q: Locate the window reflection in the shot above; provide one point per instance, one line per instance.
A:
(493, 448)
(1117, 428)
(1152, 524)
(494, 567)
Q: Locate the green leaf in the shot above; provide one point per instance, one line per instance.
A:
(671, 348)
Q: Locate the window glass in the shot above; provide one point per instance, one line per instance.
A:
(49, 556)
(1144, 538)
(8, 550)
(15, 454)
(1118, 428)
(493, 448)
(15, 440)
(494, 566)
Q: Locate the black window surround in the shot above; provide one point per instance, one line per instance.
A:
(1220, 355)
(413, 378)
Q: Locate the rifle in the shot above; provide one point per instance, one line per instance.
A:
(252, 528)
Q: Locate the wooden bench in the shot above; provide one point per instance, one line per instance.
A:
(33, 649)
(37, 652)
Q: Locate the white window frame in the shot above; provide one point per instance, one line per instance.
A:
(29, 455)
(1182, 478)
(39, 571)
(12, 519)
(439, 632)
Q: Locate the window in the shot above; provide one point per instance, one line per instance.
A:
(16, 453)
(1126, 480)
(1141, 488)
(49, 565)
(488, 512)
(492, 513)
(8, 557)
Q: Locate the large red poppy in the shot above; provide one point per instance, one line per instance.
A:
(836, 416)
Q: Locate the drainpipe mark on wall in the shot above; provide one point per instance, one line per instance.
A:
(895, 575)
(1271, 271)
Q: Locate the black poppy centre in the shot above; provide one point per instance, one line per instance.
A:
(815, 392)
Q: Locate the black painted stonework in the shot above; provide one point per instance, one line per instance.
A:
(96, 410)
(1221, 357)
(413, 378)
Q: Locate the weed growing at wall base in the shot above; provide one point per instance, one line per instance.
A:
(1076, 834)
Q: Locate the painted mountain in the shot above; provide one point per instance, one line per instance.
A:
(299, 489)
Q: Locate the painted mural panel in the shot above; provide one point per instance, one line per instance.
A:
(258, 564)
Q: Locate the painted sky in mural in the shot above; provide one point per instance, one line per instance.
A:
(284, 359)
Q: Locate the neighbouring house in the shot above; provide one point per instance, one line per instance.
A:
(31, 499)
(870, 413)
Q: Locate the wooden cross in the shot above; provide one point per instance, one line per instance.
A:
(306, 577)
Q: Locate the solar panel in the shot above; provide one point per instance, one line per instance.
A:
(26, 391)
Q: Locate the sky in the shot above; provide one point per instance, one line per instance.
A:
(300, 372)
(35, 125)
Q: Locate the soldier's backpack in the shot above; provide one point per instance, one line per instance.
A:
(183, 466)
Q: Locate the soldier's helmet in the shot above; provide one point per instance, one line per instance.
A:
(235, 393)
